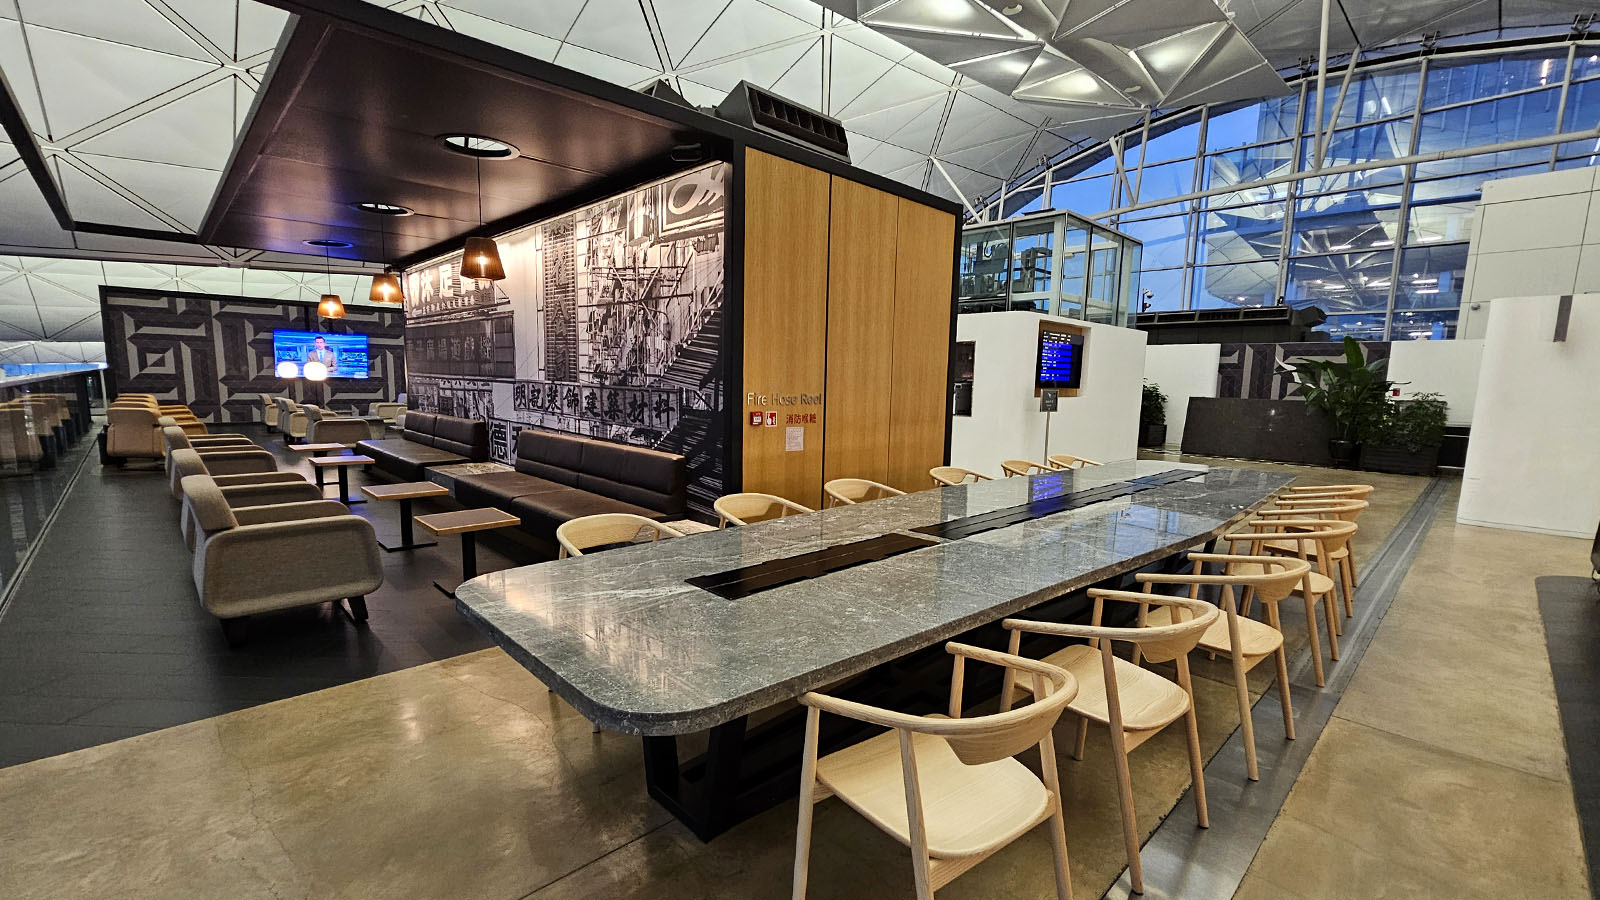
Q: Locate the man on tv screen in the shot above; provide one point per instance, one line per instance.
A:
(322, 353)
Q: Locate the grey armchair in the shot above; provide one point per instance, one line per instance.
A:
(338, 430)
(175, 439)
(269, 411)
(301, 415)
(387, 411)
(200, 440)
(241, 496)
(239, 562)
(246, 466)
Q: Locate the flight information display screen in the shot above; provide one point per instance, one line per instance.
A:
(1060, 360)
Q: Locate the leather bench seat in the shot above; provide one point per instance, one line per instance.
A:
(560, 477)
(427, 439)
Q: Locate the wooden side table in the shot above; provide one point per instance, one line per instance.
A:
(404, 493)
(317, 450)
(343, 464)
(466, 523)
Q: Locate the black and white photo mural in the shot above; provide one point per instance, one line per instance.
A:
(608, 324)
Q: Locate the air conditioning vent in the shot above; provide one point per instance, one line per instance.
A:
(767, 112)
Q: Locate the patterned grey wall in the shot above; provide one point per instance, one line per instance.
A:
(1254, 371)
(608, 324)
(215, 353)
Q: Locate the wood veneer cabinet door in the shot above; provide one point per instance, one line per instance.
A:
(862, 242)
(925, 254)
(785, 322)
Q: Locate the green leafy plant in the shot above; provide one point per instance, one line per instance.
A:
(1153, 405)
(1352, 391)
(1411, 425)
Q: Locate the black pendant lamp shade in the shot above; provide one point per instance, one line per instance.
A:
(386, 288)
(480, 261)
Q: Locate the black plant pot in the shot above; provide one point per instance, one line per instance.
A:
(1152, 435)
(1343, 452)
(1400, 462)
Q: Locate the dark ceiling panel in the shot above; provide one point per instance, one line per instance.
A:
(355, 116)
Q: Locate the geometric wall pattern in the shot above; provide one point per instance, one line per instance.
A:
(1255, 371)
(217, 354)
(50, 308)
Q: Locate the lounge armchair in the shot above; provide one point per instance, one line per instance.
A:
(242, 552)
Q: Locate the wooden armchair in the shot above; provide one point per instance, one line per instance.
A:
(1134, 703)
(1068, 461)
(605, 529)
(950, 788)
(848, 491)
(1023, 467)
(1245, 641)
(1315, 541)
(953, 475)
(742, 509)
(1320, 508)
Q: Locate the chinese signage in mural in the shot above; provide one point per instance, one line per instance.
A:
(608, 324)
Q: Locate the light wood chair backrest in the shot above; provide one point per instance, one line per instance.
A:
(1317, 508)
(1316, 539)
(586, 532)
(980, 739)
(1276, 578)
(742, 509)
(953, 475)
(1023, 467)
(847, 491)
(1068, 461)
(1341, 491)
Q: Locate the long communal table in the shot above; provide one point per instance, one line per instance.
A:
(700, 633)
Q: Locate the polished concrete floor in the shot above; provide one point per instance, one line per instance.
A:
(1442, 774)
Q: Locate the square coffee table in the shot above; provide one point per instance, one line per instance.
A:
(466, 523)
(317, 450)
(404, 492)
(343, 464)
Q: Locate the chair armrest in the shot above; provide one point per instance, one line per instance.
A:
(238, 462)
(267, 494)
(259, 478)
(220, 440)
(292, 511)
(240, 571)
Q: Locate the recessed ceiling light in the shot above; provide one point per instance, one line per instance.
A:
(478, 146)
(382, 209)
(328, 244)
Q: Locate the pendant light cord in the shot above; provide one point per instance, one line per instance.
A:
(479, 161)
(327, 263)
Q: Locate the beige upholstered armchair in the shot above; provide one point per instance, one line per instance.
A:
(298, 424)
(338, 430)
(201, 440)
(269, 411)
(19, 446)
(241, 552)
(233, 477)
(248, 461)
(174, 438)
(388, 412)
(132, 433)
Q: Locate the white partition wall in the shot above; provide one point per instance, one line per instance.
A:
(1182, 371)
(1534, 460)
(1447, 368)
(1101, 423)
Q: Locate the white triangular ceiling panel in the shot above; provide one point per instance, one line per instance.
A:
(84, 80)
(193, 130)
(855, 69)
(803, 82)
(129, 22)
(214, 19)
(90, 201)
(526, 42)
(551, 18)
(181, 192)
(760, 69)
(684, 22)
(744, 26)
(615, 28)
(19, 73)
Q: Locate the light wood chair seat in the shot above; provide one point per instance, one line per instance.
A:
(967, 810)
(1149, 702)
(1256, 639)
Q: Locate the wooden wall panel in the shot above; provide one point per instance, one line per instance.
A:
(785, 320)
(924, 255)
(861, 284)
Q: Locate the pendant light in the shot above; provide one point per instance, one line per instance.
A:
(386, 287)
(330, 307)
(480, 258)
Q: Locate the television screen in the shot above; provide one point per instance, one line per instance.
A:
(1060, 360)
(345, 355)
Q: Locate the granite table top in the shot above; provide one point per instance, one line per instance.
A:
(635, 649)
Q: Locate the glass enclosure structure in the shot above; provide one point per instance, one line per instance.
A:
(1053, 263)
(1233, 208)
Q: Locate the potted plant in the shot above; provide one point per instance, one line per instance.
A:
(1351, 391)
(1152, 417)
(1404, 438)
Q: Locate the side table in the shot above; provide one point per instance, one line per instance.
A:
(466, 523)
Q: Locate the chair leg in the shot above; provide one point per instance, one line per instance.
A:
(1130, 826)
(235, 630)
(358, 608)
(1283, 693)
(1333, 618)
(1083, 738)
(802, 832)
(1058, 852)
(1311, 633)
(1347, 581)
(1242, 687)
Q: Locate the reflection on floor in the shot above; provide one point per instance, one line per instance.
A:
(26, 499)
(465, 778)
(105, 638)
(1570, 607)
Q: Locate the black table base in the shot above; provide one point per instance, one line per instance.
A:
(406, 532)
(469, 563)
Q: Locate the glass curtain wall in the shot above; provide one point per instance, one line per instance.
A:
(1381, 247)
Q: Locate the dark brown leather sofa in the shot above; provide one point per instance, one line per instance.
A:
(561, 476)
(428, 439)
